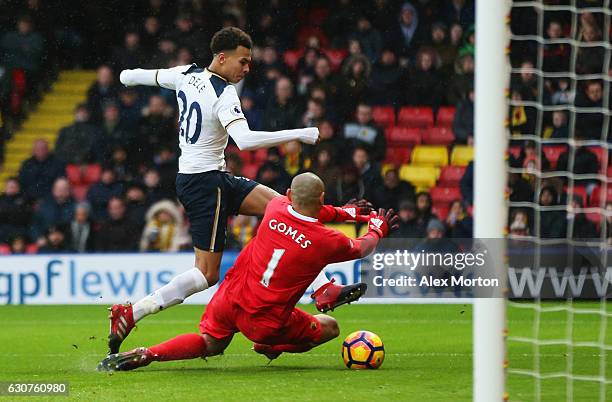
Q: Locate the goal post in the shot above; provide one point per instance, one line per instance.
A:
(490, 211)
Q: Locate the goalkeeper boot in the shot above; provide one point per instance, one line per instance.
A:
(126, 361)
(121, 323)
(266, 350)
(330, 295)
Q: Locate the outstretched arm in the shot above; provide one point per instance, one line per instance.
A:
(165, 77)
(354, 211)
(248, 140)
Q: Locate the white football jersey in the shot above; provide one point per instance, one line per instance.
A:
(207, 105)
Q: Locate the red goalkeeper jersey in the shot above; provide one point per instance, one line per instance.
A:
(281, 261)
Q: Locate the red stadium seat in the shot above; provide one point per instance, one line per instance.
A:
(444, 195)
(451, 176)
(445, 116)
(438, 136)
(609, 171)
(292, 58)
(92, 174)
(398, 155)
(415, 117)
(403, 136)
(336, 57)
(260, 155)
(5, 249)
(250, 170)
(384, 116)
(79, 191)
(595, 199)
(515, 151)
(73, 174)
(441, 211)
(579, 191)
(31, 248)
(552, 153)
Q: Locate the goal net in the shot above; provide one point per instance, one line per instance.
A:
(559, 228)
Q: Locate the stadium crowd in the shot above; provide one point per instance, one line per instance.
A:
(108, 185)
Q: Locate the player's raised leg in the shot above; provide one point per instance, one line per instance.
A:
(328, 330)
(182, 347)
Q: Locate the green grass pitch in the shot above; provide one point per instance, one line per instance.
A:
(429, 357)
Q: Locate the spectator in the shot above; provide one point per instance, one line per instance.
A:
(250, 110)
(121, 165)
(530, 159)
(440, 44)
(552, 223)
(409, 225)
(392, 191)
(163, 56)
(585, 161)
(117, 233)
(315, 113)
(166, 164)
(155, 130)
(130, 55)
(589, 125)
(563, 94)
(348, 187)
(435, 239)
(582, 228)
(469, 41)
(24, 49)
(325, 78)
(153, 187)
(386, 75)
(459, 223)
(101, 92)
(323, 166)
(364, 132)
(151, 35)
(114, 132)
(79, 142)
(273, 174)
(522, 118)
(15, 211)
(590, 60)
(463, 122)
(519, 225)
(556, 55)
(55, 241)
(39, 172)
(424, 83)
(353, 87)
(369, 38)
(462, 80)
(368, 171)
(55, 210)
(101, 192)
(190, 37)
(130, 106)
(460, 12)
(405, 33)
(295, 159)
(82, 229)
(608, 222)
(18, 245)
(424, 205)
(136, 204)
(467, 184)
(282, 111)
(164, 228)
(559, 128)
(520, 189)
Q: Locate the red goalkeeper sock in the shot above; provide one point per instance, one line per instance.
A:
(183, 347)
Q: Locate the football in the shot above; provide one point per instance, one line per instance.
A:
(363, 350)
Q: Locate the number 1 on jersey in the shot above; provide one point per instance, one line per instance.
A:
(267, 275)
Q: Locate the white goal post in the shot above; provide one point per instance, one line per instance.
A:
(491, 84)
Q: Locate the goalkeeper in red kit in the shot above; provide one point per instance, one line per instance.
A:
(259, 293)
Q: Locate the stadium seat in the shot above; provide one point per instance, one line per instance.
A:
(397, 155)
(579, 191)
(384, 116)
(451, 176)
(420, 176)
(79, 191)
(403, 136)
(336, 57)
(462, 155)
(515, 151)
(609, 171)
(92, 174)
(430, 155)
(415, 117)
(602, 157)
(250, 170)
(596, 196)
(445, 116)
(347, 228)
(260, 155)
(5, 249)
(440, 211)
(444, 195)
(438, 136)
(596, 218)
(292, 58)
(73, 174)
(552, 153)
(31, 248)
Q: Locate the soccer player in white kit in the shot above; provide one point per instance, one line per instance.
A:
(209, 111)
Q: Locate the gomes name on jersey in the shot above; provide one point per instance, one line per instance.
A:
(287, 230)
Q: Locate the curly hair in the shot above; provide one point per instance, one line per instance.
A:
(229, 39)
